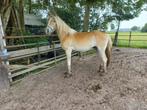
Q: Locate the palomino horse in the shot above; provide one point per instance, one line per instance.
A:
(80, 41)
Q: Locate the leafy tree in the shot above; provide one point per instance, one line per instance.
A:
(67, 10)
(100, 17)
(88, 12)
(71, 16)
(12, 15)
(144, 28)
(125, 10)
(112, 26)
(135, 28)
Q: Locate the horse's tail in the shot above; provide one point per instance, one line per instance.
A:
(108, 50)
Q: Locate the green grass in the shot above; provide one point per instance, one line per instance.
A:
(138, 39)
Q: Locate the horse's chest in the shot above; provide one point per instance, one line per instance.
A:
(66, 44)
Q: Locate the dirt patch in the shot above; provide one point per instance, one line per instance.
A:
(123, 87)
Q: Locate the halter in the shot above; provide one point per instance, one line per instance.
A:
(50, 29)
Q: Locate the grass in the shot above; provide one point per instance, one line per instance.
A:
(138, 39)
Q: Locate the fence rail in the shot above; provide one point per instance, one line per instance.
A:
(137, 40)
(32, 50)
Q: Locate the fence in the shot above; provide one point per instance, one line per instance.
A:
(22, 56)
(42, 54)
(131, 39)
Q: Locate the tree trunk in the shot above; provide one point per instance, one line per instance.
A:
(5, 9)
(30, 6)
(116, 35)
(86, 18)
(21, 15)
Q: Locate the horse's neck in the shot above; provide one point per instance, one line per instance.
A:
(64, 30)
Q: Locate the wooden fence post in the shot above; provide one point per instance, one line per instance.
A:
(38, 45)
(4, 82)
(3, 50)
(130, 39)
(55, 54)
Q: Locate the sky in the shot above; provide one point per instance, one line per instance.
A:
(138, 21)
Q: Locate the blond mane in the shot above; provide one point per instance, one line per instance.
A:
(62, 27)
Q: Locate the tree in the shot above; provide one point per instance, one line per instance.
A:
(135, 28)
(100, 17)
(144, 28)
(30, 6)
(89, 6)
(87, 9)
(5, 10)
(69, 12)
(12, 15)
(125, 10)
(71, 17)
(112, 26)
(21, 15)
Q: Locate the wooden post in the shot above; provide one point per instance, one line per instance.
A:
(3, 50)
(130, 38)
(55, 54)
(4, 80)
(38, 46)
(4, 83)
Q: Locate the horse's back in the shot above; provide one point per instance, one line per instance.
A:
(90, 36)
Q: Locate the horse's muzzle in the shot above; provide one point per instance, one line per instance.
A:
(49, 30)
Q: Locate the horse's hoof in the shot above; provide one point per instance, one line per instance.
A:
(67, 75)
(101, 72)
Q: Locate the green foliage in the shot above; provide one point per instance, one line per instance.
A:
(101, 11)
(135, 28)
(71, 17)
(99, 18)
(112, 26)
(126, 9)
(144, 29)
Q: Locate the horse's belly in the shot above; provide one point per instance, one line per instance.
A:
(83, 47)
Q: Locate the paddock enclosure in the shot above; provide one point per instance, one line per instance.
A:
(123, 87)
(44, 52)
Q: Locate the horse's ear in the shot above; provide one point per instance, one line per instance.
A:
(49, 14)
(53, 12)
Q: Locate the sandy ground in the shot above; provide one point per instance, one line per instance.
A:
(123, 87)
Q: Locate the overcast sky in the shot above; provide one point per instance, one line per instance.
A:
(139, 21)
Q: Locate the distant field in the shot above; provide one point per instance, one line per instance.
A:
(138, 39)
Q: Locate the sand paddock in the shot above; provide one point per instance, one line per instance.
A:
(123, 87)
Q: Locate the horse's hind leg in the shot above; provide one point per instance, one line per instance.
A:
(104, 59)
(99, 55)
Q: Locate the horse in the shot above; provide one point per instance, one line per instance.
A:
(70, 40)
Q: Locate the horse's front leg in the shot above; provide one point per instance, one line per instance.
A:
(68, 55)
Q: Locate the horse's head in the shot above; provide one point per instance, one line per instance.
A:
(51, 25)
